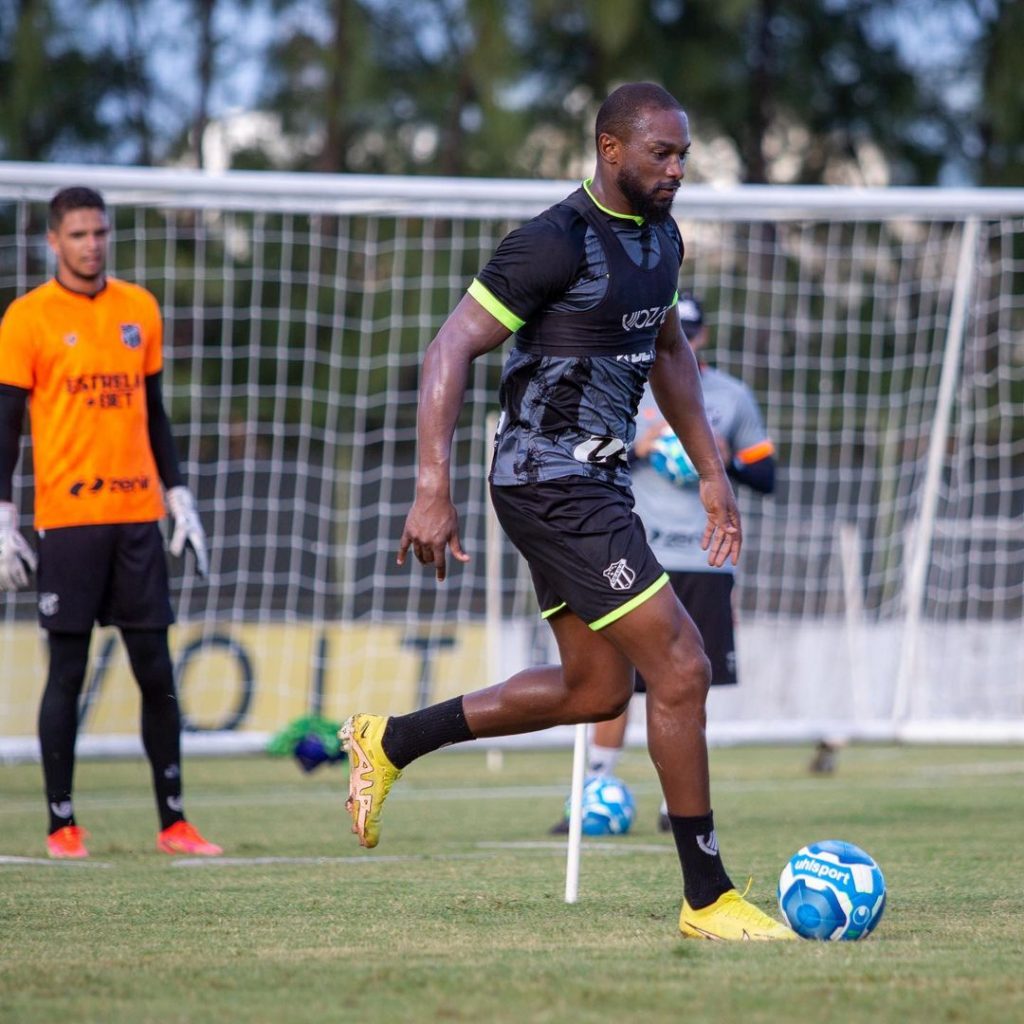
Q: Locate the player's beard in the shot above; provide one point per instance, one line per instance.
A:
(654, 205)
(92, 276)
(88, 269)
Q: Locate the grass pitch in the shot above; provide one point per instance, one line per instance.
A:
(458, 915)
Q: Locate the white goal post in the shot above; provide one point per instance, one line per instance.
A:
(881, 589)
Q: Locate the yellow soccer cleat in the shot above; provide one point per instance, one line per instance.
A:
(370, 774)
(731, 918)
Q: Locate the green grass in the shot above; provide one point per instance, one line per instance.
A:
(457, 917)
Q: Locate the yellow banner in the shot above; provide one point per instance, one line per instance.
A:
(256, 677)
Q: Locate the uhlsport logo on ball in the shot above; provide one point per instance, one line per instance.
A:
(608, 806)
(832, 890)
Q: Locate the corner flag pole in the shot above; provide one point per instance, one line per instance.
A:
(572, 860)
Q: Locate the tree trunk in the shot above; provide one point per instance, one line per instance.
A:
(333, 156)
(762, 90)
(205, 62)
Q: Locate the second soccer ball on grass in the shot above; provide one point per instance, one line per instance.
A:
(608, 806)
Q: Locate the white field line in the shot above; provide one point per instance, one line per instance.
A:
(917, 777)
(546, 847)
(615, 847)
(365, 859)
(46, 862)
(370, 859)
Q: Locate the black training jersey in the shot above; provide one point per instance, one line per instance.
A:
(586, 290)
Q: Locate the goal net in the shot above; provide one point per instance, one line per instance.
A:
(881, 589)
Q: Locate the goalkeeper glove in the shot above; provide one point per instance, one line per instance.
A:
(17, 559)
(187, 528)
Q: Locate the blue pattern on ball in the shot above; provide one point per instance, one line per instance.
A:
(812, 913)
(608, 806)
(832, 890)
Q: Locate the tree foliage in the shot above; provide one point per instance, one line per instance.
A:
(52, 88)
(1000, 120)
(796, 90)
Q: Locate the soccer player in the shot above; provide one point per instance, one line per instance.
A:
(589, 287)
(84, 352)
(669, 505)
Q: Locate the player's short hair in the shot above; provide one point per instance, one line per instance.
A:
(77, 197)
(620, 114)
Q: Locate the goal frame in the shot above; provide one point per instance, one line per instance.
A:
(457, 199)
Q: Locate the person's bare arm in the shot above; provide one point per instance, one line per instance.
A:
(675, 381)
(432, 525)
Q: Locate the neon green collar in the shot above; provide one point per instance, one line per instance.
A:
(604, 209)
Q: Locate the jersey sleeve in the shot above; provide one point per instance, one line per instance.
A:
(17, 347)
(532, 266)
(152, 333)
(750, 442)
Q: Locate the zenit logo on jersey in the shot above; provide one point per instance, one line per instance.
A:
(116, 485)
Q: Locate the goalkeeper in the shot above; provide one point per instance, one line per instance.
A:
(589, 288)
(84, 351)
(668, 502)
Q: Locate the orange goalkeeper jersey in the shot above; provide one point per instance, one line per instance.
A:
(85, 361)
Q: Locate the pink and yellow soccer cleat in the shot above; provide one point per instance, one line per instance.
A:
(371, 774)
(67, 843)
(184, 837)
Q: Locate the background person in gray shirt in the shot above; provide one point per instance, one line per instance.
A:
(667, 500)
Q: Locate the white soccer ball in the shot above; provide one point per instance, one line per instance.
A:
(608, 806)
(668, 458)
(832, 890)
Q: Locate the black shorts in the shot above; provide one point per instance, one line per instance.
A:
(707, 598)
(585, 546)
(115, 575)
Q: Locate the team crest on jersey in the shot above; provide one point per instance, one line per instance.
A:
(131, 335)
(619, 575)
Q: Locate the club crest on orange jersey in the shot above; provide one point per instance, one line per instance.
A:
(131, 335)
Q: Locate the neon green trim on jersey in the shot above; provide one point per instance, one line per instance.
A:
(607, 620)
(552, 611)
(501, 313)
(611, 213)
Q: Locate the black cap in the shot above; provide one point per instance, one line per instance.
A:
(690, 312)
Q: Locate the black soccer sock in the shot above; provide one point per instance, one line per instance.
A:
(407, 737)
(58, 722)
(161, 718)
(704, 875)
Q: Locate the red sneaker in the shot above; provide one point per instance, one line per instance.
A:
(183, 837)
(67, 842)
